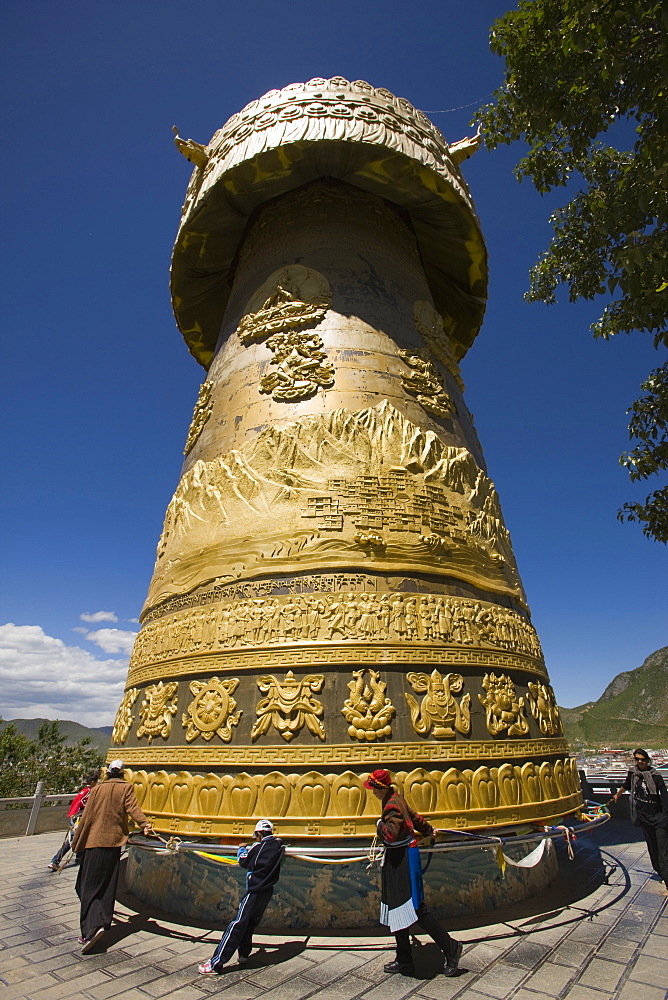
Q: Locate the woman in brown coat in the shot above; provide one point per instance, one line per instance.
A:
(100, 835)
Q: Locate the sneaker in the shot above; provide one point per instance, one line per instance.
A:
(89, 942)
(242, 959)
(452, 964)
(52, 867)
(206, 969)
(403, 970)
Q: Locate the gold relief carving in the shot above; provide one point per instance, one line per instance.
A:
(504, 709)
(313, 792)
(425, 385)
(201, 414)
(370, 617)
(348, 794)
(288, 706)
(378, 480)
(124, 717)
(367, 710)
(291, 298)
(243, 792)
(212, 710)
(354, 754)
(157, 710)
(544, 709)
(300, 371)
(340, 656)
(339, 803)
(275, 794)
(421, 787)
(439, 713)
(430, 325)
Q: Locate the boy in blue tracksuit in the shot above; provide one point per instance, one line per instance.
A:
(263, 861)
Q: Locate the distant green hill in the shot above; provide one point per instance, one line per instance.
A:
(633, 709)
(73, 732)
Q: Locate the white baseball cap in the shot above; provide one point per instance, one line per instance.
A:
(116, 765)
(264, 826)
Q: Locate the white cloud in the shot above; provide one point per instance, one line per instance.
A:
(98, 616)
(40, 676)
(81, 630)
(112, 640)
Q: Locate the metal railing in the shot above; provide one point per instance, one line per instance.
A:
(35, 803)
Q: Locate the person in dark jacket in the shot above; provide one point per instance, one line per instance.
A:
(263, 863)
(649, 809)
(402, 897)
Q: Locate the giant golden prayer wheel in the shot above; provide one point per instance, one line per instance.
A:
(335, 588)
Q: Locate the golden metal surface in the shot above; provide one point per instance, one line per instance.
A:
(334, 573)
(314, 803)
(311, 618)
(288, 706)
(212, 710)
(336, 655)
(332, 754)
(335, 128)
(367, 710)
(201, 414)
(503, 708)
(439, 714)
(157, 710)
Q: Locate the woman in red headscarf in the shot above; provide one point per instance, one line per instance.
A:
(402, 897)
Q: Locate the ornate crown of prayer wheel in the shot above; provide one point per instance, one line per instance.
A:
(335, 589)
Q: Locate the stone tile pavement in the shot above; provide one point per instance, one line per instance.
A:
(599, 932)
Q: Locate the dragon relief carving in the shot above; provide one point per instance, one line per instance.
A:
(291, 298)
(289, 705)
(431, 327)
(504, 709)
(439, 713)
(367, 710)
(300, 371)
(423, 383)
(157, 710)
(201, 414)
(544, 709)
(124, 717)
(212, 710)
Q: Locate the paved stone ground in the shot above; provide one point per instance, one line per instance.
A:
(599, 932)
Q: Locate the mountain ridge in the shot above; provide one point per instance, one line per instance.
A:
(632, 709)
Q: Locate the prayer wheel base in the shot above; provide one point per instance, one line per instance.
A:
(316, 895)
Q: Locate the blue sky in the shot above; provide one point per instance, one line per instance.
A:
(98, 387)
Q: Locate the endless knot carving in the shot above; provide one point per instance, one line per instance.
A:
(544, 709)
(289, 706)
(439, 711)
(201, 414)
(157, 710)
(300, 371)
(297, 296)
(504, 709)
(124, 717)
(367, 710)
(424, 383)
(212, 710)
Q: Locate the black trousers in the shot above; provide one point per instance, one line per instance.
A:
(430, 924)
(96, 887)
(239, 934)
(657, 846)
